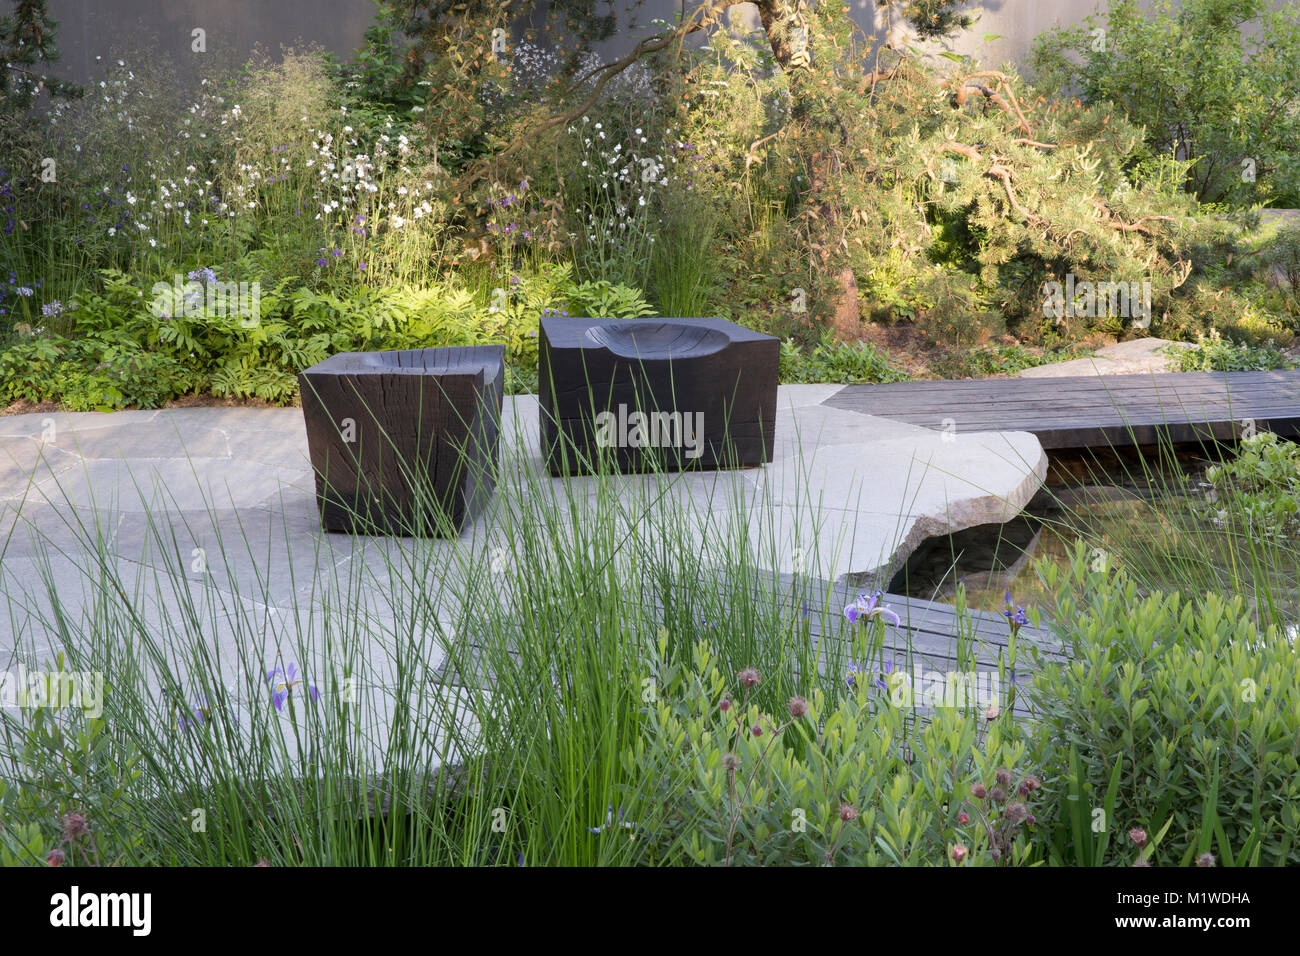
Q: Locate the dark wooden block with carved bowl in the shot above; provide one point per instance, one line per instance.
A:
(655, 393)
(404, 443)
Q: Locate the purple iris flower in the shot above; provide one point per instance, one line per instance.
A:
(200, 714)
(867, 607)
(610, 822)
(858, 670)
(282, 683)
(1015, 614)
(885, 671)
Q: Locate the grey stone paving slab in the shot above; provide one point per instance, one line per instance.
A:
(158, 438)
(882, 483)
(136, 493)
(25, 463)
(66, 423)
(167, 484)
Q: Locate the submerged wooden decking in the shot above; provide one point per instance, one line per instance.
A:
(1093, 410)
(931, 639)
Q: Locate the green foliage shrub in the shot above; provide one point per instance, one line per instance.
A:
(1214, 353)
(828, 780)
(116, 351)
(1261, 485)
(1178, 712)
(1213, 81)
(953, 195)
(1280, 254)
(1003, 360)
(830, 361)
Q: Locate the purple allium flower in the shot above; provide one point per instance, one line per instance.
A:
(74, 826)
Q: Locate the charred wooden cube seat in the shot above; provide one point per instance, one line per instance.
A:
(655, 393)
(404, 443)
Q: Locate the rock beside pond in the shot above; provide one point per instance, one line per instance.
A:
(1138, 357)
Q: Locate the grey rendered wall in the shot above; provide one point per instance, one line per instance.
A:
(91, 27)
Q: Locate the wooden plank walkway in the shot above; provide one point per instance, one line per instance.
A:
(930, 640)
(1093, 410)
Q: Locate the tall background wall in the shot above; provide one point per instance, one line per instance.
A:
(100, 27)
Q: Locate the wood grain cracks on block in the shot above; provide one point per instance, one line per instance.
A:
(418, 415)
(721, 374)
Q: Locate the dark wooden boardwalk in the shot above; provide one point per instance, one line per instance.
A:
(931, 639)
(931, 642)
(1093, 410)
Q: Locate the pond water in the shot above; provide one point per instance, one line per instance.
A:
(1103, 498)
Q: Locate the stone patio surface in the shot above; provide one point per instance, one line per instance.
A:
(226, 496)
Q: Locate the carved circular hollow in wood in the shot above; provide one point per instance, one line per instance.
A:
(662, 340)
